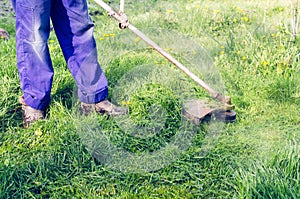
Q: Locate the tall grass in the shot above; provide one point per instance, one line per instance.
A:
(278, 178)
(254, 51)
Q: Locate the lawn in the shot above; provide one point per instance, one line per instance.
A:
(248, 50)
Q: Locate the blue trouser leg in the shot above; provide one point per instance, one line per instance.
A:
(74, 31)
(33, 59)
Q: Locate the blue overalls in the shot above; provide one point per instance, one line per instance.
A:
(74, 30)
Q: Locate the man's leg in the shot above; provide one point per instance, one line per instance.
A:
(74, 30)
(33, 59)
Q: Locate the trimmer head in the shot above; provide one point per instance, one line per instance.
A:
(202, 110)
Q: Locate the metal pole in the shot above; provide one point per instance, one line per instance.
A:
(122, 6)
(176, 63)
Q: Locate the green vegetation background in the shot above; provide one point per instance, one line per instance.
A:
(253, 46)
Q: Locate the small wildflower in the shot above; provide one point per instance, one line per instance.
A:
(156, 63)
(245, 19)
(197, 6)
(280, 9)
(38, 132)
(106, 35)
(273, 35)
(240, 10)
(222, 52)
(137, 39)
(101, 38)
(244, 58)
(168, 49)
(125, 103)
(169, 11)
(222, 47)
(217, 11)
(112, 34)
(51, 41)
(234, 20)
(51, 48)
(265, 63)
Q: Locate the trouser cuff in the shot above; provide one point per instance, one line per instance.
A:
(93, 98)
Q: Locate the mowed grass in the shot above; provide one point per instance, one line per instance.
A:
(253, 48)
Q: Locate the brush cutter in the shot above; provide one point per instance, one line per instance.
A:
(196, 110)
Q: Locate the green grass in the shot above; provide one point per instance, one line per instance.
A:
(251, 45)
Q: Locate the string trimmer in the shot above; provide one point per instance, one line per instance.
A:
(196, 110)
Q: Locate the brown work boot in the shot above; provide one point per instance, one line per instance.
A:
(103, 107)
(30, 115)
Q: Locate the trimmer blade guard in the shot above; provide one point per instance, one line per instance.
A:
(201, 110)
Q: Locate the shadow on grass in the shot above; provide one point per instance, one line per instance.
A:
(65, 94)
(12, 118)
